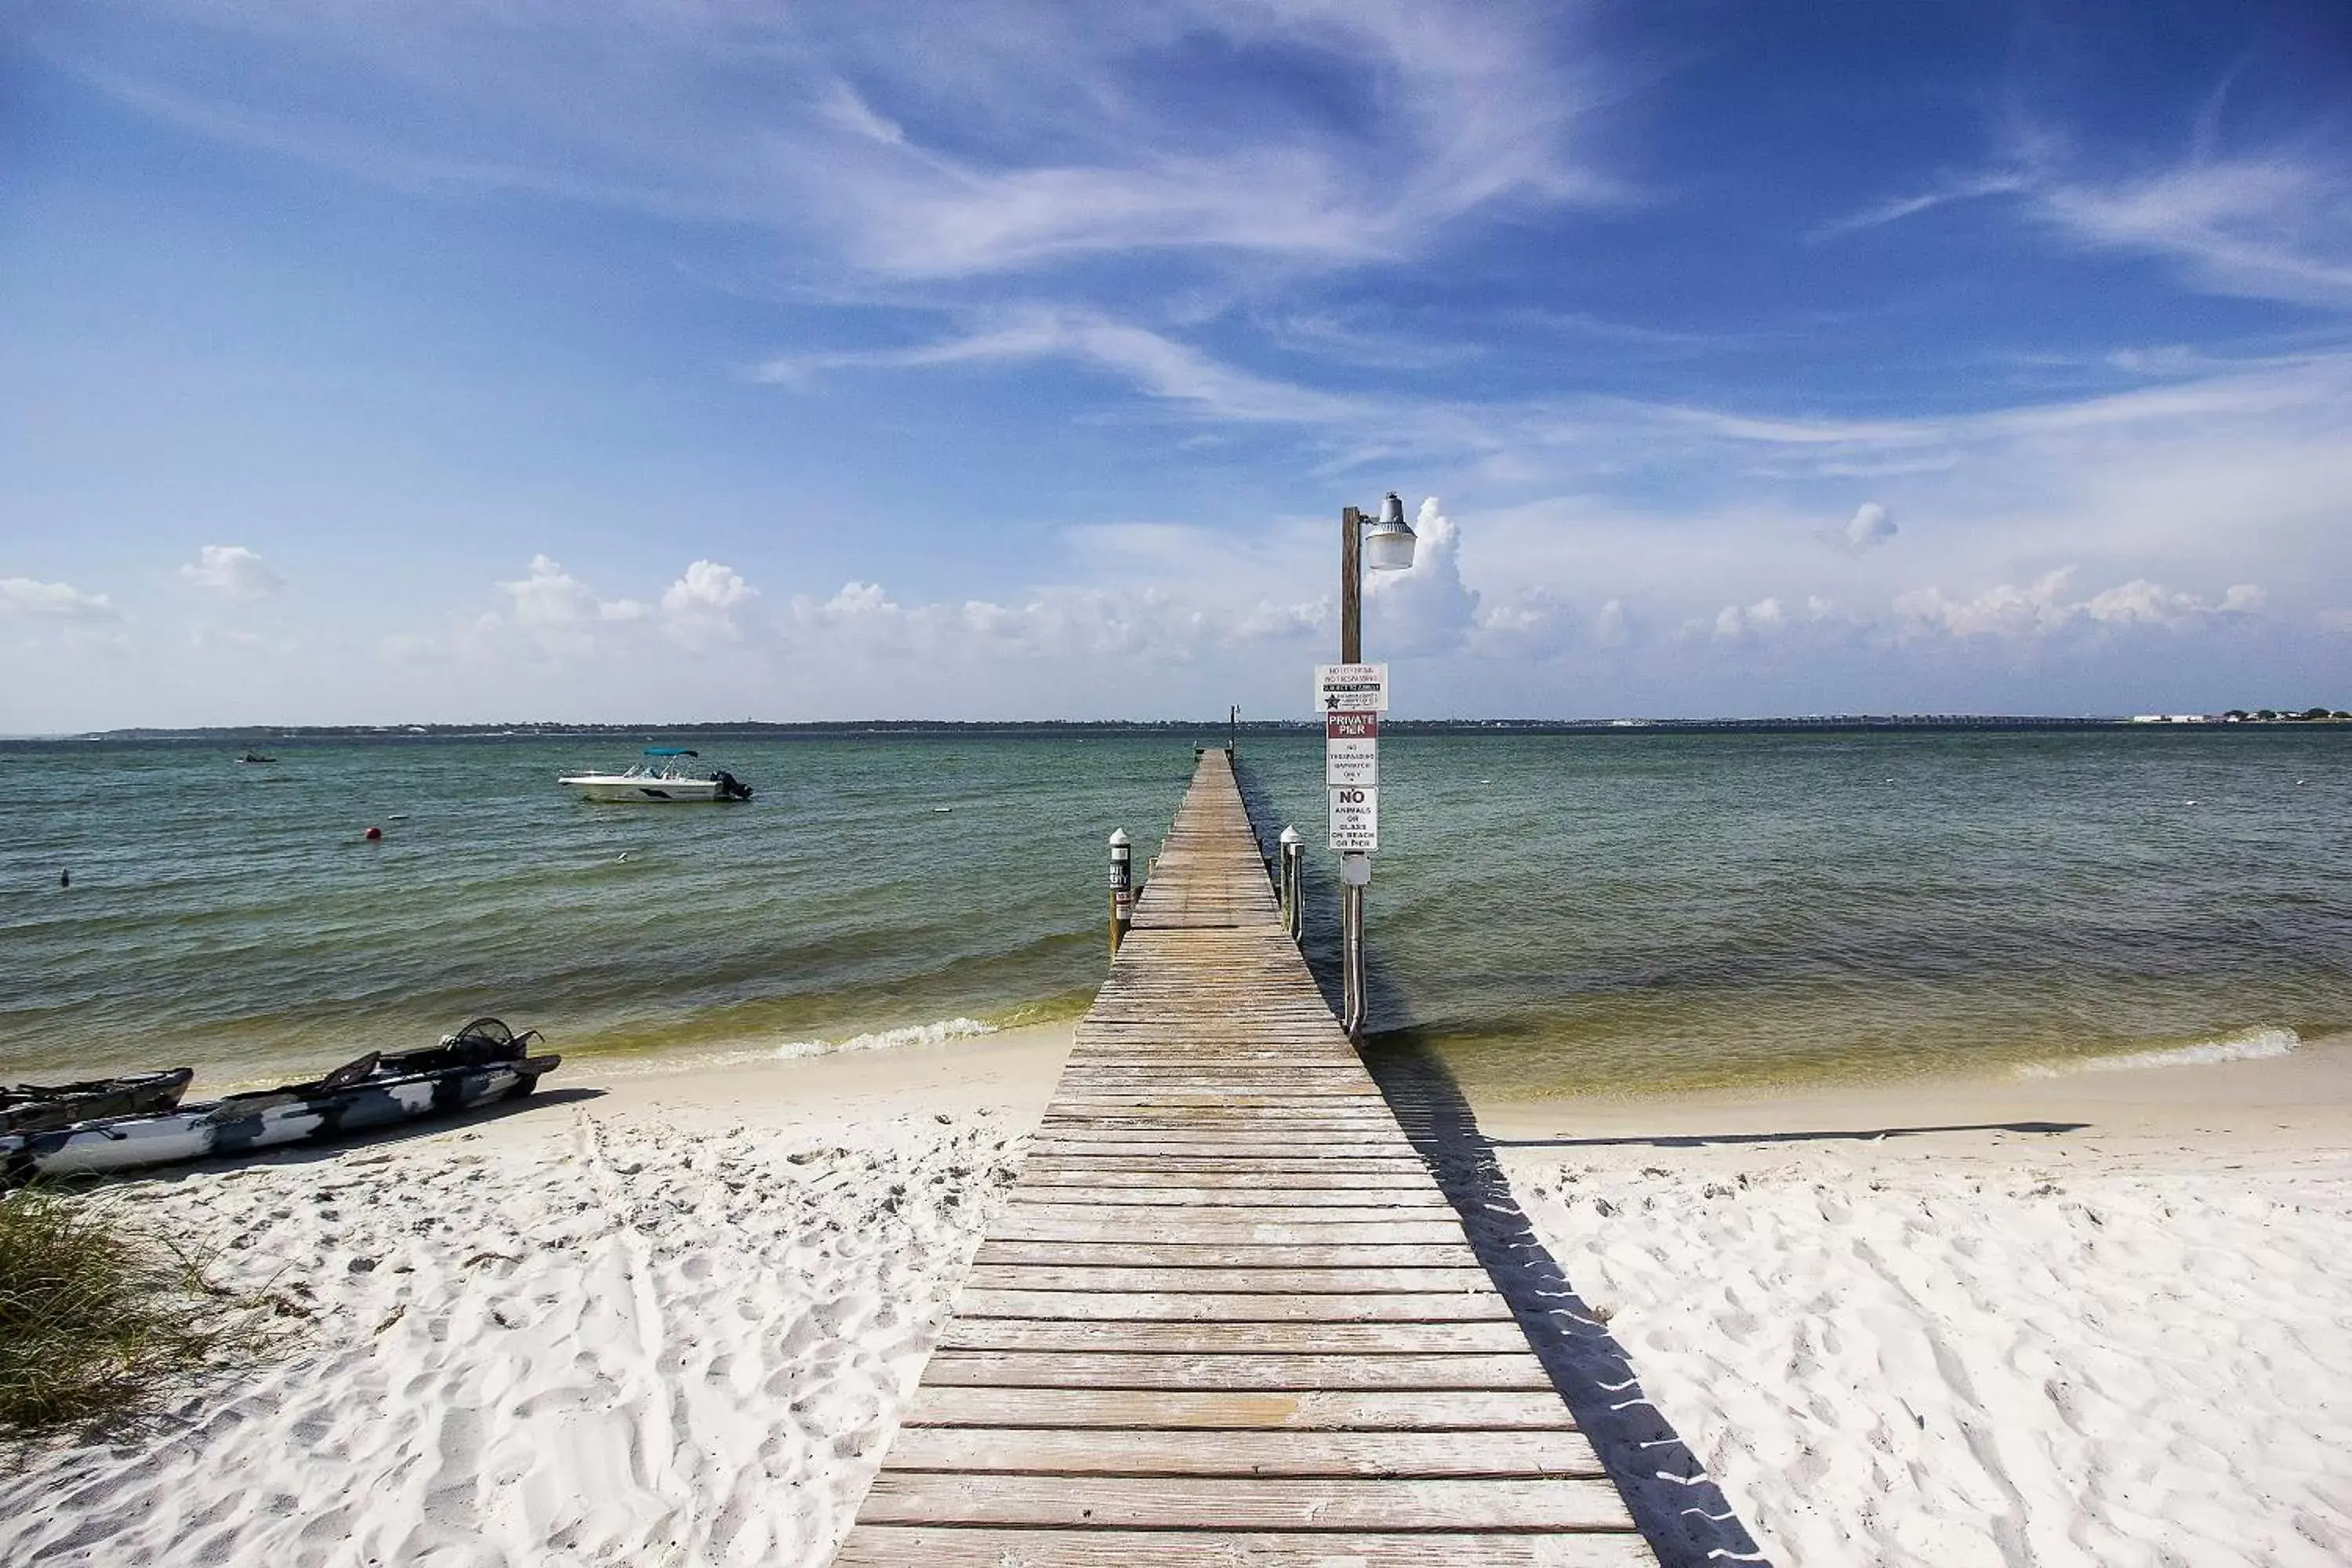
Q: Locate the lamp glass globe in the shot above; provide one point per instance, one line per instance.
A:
(1388, 549)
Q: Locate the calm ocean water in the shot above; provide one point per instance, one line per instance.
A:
(1554, 912)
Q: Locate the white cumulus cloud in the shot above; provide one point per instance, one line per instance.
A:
(552, 605)
(1767, 616)
(25, 596)
(233, 572)
(707, 588)
(1426, 608)
(1868, 527)
(2042, 607)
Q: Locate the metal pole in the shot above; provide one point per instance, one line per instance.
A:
(1355, 869)
(1122, 886)
(1233, 732)
(1293, 855)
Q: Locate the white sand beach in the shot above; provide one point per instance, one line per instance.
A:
(673, 1322)
(670, 1323)
(2126, 1340)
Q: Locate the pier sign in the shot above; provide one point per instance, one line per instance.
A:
(1352, 749)
(1351, 689)
(1348, 762)
(1356, 818)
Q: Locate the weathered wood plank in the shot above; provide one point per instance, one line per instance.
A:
(1276, 1277)
(1228, 1255)
(1231, 1337)
(1333, 1169)
(1150, 1184)
(1220, 1207)
(1162, 1502)
(1023, 1450)
(1199, 1145)
(1244, 1126)
(1356, 1410)
(1516, 1370)
(1282, 1202)
(1233, 1307)
(1103, 1222)
(893, 1546)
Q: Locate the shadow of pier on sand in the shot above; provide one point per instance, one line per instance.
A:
(1677, 1507)
(1853, 1135)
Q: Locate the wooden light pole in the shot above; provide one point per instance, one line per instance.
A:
(1355, 869)
(1351, 585)
(1387, 547)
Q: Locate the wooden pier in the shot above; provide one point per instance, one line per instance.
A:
(1226, 1317)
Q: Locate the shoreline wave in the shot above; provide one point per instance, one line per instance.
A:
(2246, 1045)
(659, 1063)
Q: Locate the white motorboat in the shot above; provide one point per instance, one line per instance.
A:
(660, 779)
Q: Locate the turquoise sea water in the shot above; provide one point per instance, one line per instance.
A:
(1555, 911)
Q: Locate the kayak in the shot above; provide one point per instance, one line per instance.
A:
(474, 1067)
(29, 1107)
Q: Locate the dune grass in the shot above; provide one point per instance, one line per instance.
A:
(104, 1316)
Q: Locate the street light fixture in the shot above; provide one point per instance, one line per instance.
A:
(1387, 544)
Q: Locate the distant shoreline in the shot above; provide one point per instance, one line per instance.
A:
(1197, 728)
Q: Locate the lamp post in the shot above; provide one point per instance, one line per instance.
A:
(1383, 544)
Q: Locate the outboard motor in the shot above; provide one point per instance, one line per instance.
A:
(732, 787)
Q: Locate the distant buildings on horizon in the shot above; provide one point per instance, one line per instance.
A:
(2257, 716)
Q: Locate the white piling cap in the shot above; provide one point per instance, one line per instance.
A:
(1119, 838)
(1292, 836)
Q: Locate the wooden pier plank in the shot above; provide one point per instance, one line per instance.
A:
(1231, 1336)
(1226, 1315)
(1279, 1277)
(1230, 1255)
(1028, 1450)
(1265, 1192)
(888, 1546)
(1227, 1410)
(1286, 1503)
(1231, 1307)
(1237, 1373)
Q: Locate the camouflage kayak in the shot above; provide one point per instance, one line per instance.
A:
(467, 1070)
(29, 1107)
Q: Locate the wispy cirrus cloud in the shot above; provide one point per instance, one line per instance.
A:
(1160, 366)
(2274, 223)
(1945, 192)
(920, 144)
(2274, 226)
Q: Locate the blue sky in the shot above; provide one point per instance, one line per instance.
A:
(376, 363)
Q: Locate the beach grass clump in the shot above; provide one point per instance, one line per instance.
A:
(103, 1316)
